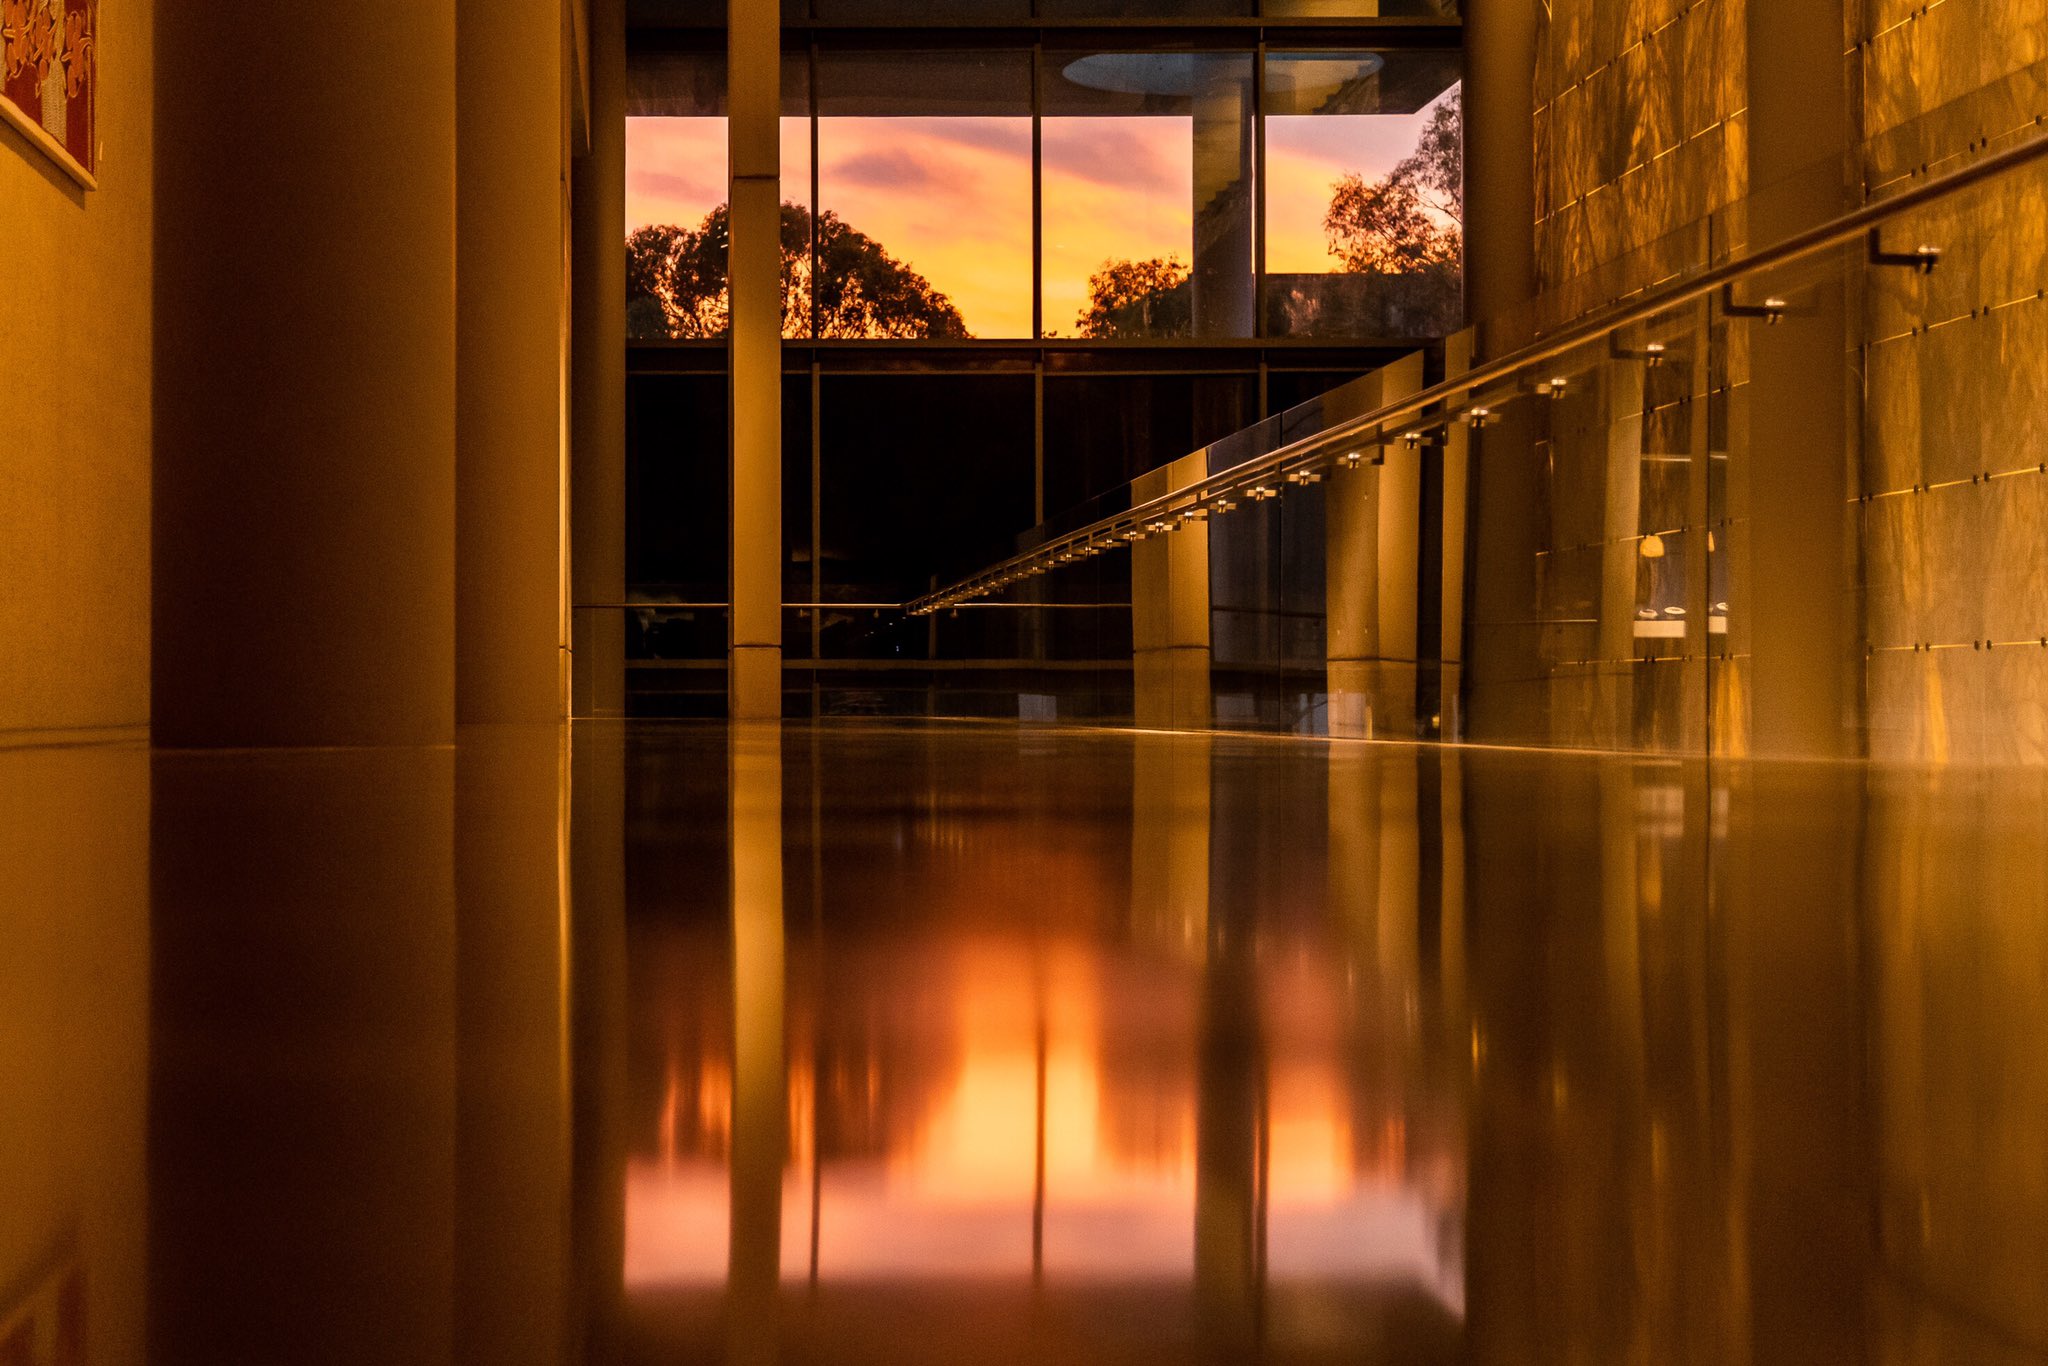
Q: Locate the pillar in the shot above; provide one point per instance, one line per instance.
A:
(1170, 609)
(597, 380)
(304, 556)
(1373, 575)
(1225, 299)
(1499, 702)
(1794, 609)
(754, 93)
(509, 664)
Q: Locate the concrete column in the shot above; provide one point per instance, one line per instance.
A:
(510, 300)
(1457, 526)
(754, 93)
(760, 1088)
(1500, 280)
(304, 554)
(1170, 610)
(1372, 548)
(1225, 300)
(1500, 171)
(1796, 614)
(597, 378)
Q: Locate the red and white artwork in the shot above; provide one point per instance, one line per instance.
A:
(49, 60)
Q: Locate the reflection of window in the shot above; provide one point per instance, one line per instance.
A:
(1364, 195)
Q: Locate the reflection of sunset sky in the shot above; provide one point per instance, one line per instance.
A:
(951, 196)
(949, 1191)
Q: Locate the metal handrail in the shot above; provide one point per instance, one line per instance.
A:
(1370, 429)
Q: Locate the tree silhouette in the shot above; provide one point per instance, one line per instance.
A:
(1406, 230)
(676, 284)
(1139, 299)
(1399, 239)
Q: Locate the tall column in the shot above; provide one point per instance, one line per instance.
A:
(1500, 281)
(1224, 289)
(304, 553)
(508, 361)
(754, 93)
(1795, 614)
(597, 378)
(1170, 610)
(1372, 568)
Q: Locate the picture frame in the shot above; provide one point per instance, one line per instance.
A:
(49, 81)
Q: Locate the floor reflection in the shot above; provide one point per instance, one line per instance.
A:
(886, 1044)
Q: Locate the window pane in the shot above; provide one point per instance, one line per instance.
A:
(676, 192)
(1360, 9)
(1119, 227)
(1148, 194)
(922, 11)
(1144, 9)
(924, 180)
(1364, 195)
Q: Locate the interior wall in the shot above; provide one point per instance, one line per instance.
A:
(75, 319)
(1643, 160)
(1954, 607)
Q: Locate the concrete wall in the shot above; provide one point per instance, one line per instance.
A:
(75, 317)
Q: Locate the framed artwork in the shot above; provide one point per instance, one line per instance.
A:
(49, 77)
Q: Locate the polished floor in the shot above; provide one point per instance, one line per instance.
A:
(870, 1043)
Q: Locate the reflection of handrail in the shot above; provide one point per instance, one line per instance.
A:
(1160, 514)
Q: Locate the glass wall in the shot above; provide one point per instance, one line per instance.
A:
(943, 194)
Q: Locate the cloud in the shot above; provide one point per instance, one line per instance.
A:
(889, 168)
(1126, 154)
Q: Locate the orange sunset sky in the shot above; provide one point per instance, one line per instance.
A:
(951, 196)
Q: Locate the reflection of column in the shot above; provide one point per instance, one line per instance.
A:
(1224, 305)
(510, 299)
(74, 1033)
(1373, 568)
(597, 488)
(1622, 435)
(754, 85)
(1798, 1062)
(760, 1106)
(598, 1029)
(1170, 842)
(304, 496)
(1230, 1082)
(512, 993)
(303, 1115)
(1170, 610)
